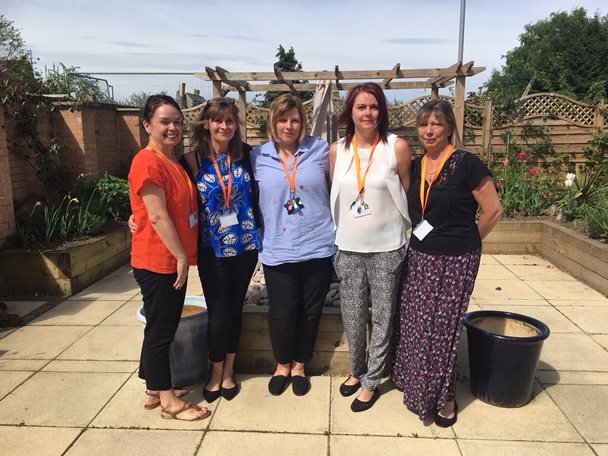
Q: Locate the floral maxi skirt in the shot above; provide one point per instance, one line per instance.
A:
(434, 298)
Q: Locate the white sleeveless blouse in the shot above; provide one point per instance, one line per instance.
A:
(385, 229)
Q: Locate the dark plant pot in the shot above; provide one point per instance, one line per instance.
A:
(188, 353)
(504, 349)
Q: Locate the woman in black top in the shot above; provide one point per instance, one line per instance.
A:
(448, 185)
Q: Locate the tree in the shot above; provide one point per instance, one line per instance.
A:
(287, 62)
(566, 53)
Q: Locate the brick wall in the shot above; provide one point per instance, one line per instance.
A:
(7, 216)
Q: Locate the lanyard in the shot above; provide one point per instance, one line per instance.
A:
(424, 196)
(361, 179)
(291, 178)
(180, 170)
(227, 191)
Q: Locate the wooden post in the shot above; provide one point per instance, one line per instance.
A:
(486, 132)
(243, 114)
(459, 109)
(434, 93)
(598, 123)
(217, 89)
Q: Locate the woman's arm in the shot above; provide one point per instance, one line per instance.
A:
(487, 198)
(154, 199)
(404, 162)
(333, 149)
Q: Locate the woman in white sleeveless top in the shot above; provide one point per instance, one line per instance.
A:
(370, 170)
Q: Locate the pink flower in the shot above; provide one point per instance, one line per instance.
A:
(521, 156)
(506, 162)
(499, 185)
(532, 171)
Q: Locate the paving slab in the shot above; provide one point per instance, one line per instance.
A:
(553, 377)
(593, 320)
(40, 342)
(115, 343)
(22, 308)
(240, 443)
(539, 420)
(546, 271)
(59, 398)
(255, 409)
(355, 445)
(91, 366)
(514, 448)
(38, 441)
(134, 442)
(488, 259)
(388, 417)
(574, 352)
(558, 289)
(504, 289)
(501, 301)
(31, 365)
(12, 379)
(125, 315)
(126, 410)
(600, 449)
(553, 318)
(494, 271)
(521, 259)
(596, 302)
(602, 340)
(77, 313)
(584, 405)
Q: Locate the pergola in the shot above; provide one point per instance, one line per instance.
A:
(225, 81)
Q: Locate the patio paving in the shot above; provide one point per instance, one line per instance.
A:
(69, 385)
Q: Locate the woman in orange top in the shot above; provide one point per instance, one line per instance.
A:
(164, 202)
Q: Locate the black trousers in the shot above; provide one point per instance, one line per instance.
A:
(296, 294)
(163, 306)
(225, 282)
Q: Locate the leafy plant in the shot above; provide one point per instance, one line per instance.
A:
(597, 215)
(114, 193)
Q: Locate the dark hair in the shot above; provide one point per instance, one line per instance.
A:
(346, 118)
(280, 106)
(216, 109)
(154, 102)
(443, 112)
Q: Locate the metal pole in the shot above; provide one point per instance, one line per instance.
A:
(461, 33)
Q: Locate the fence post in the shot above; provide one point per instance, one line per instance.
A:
(598, 123)
(459, 109)
(243, 114)
(486, 132)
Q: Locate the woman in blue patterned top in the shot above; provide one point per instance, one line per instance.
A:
(292, 171)
(219, 165)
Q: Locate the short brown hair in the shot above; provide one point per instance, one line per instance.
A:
(280, 106)
(443, 112)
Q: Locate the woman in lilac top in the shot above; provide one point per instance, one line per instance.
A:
(292, 172)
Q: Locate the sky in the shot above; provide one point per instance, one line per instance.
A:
(175, 36)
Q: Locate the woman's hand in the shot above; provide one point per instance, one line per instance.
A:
(489, 203)
(182, 273)
(132, 224)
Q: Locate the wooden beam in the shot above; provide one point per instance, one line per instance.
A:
(279, 76)
(342, 86)
(459, 109)
(387, 81)
(224, 75)
(338, 75)
(243, 114)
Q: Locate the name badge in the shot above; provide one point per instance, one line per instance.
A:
(228, 220)
(422, 229)
(361, 209)
(192, 220)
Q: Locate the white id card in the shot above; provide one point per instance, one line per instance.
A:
(361, 210)
(422, 229)
(192, 220)
(228, 220)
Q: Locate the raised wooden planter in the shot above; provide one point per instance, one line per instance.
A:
(582, 257)
(64, 271)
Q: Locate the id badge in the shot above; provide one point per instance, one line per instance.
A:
(294, 206)
(192, 220)
(422, 229)
(361, 210)
(228, 220)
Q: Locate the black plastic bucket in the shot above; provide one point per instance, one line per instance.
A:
(504, 349)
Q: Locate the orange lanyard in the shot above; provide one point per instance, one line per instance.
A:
(227, 191)
(361, 179)
(180, 170)
(291, 178)
(424, 196)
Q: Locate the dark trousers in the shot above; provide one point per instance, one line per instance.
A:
(296, 294)
(225, 282)
(163, 306)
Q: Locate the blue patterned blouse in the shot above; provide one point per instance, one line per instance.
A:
(236, 239)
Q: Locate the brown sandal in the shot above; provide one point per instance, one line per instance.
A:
(157, 395)
(187, 405)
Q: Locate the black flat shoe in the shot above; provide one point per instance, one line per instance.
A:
(277, 384)
(230, 393)
(360, 406)
(211, 396)
(300, 385)
(349, 390)
(444, 422)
